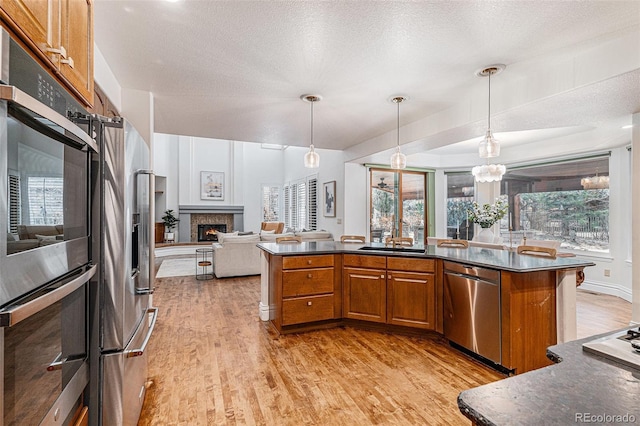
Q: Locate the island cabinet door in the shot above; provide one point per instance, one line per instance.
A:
(365, 294)
(411, 299)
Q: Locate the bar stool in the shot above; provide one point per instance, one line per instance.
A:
(204, 260)
(453, 243)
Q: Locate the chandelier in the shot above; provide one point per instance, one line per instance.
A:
(488, 172)
(311, 158)
(595, 182)
(398, 159)
(489, 147)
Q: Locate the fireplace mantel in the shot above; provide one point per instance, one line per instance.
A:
(185, 226)
(210, 209)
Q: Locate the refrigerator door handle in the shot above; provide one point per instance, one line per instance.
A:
(148, 290)
(140, 351)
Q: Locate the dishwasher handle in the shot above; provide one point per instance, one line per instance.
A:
(470, 277)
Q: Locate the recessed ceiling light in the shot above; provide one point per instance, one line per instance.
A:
(628, 126)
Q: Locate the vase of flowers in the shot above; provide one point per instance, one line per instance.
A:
(486, 216)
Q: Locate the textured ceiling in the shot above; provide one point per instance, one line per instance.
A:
(236, 69)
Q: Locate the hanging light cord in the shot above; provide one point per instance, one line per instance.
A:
(489, 115)
(311, 121)
(398, 126)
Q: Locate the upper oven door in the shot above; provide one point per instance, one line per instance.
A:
(45, 173)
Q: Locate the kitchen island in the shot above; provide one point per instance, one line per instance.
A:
(315, 285)
(581, 388)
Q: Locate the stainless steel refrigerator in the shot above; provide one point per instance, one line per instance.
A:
(122, 316)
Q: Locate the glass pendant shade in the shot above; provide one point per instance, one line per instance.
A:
(488, 172)
(398, 160)
(311, 159)
(489, 147)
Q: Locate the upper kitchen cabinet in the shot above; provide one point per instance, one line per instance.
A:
(60, 33)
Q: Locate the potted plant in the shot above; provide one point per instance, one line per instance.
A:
(486, 216)
(170, 222)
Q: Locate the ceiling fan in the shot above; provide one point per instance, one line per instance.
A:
(381, 184)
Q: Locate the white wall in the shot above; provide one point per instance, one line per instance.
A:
(261, 167)
(105, 78)
(331, 169)
(356, 199)
(165, 165)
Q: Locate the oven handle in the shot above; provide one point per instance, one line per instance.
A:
(15, 314)
(140, 351)
(57, 363)
(17, 96)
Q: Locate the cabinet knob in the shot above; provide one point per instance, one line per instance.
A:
(308, 262)
(309, 276)
(382, 276)
(309, 303)
(389, 276)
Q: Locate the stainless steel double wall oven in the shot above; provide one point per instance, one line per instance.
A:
(47, 179)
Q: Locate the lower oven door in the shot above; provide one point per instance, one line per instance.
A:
(44, 357)
(124, 376)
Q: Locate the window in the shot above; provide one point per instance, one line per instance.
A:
(553, 201)
(270, 203)
(45, 200)
(300, 204)
(460, 196)
(398, 200)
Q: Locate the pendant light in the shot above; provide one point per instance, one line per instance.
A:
(489, 147)
(311, 158)
(398, 159)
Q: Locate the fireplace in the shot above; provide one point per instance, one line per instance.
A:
(209, 231)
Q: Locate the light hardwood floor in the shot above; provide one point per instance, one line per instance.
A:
(212, 361)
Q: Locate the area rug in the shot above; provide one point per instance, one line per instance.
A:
(177, 268)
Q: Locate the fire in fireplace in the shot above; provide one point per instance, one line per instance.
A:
(208, 232)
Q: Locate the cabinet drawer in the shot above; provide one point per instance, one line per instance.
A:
(364, 261)
(411, 264)
(301, 262)
(303, 282)
(307, 309)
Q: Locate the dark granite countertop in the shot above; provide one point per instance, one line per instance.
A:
(489, 258)
(581, 386)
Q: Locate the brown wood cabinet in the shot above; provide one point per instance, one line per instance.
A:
(307, 290)
(528, 316)
(391, 290)
(411, 296)
(102, 105)
(60, 33)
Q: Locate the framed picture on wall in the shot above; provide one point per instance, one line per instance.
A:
(329, 190)
(212, 186)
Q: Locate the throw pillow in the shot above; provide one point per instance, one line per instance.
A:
(45, 237)
(10, 237)
(245, 233)
(273, 231)
(223, 235)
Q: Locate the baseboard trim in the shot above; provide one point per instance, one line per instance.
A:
(606, 288)
(263, 312)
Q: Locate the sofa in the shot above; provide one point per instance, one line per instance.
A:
(33, 236)
(236, 255)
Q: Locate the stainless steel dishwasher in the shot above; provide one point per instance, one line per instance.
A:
(472, 309)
